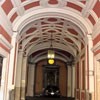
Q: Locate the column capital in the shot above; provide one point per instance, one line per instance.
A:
(20, 53)
(16, 35)
(89, 36)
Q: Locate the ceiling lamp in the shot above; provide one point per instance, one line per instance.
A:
(51, 53)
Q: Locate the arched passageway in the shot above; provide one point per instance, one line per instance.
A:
(71, 28)
(69, 42)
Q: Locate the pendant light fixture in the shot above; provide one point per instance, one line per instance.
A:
(51, 53)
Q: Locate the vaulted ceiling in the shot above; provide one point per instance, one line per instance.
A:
(34, 21)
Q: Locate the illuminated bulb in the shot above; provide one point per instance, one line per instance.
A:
(51, 61)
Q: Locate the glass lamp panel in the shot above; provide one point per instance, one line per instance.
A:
(51, 54)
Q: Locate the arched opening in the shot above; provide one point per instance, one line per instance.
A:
(25, 39)
(68, 41)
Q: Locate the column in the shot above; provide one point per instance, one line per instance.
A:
(23, 78)
(91, 69)
(69, 82)
(11, 63)
(87, 72)
(31, 78)
(18, 75)
(86, 67)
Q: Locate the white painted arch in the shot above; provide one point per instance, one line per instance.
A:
(52, 12)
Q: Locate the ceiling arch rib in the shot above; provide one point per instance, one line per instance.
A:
(47, 46)
(43, 35)
(59, 25)
(74, 15)
(52, 12)
(44, 26)
(44, 38)
(49, 22)
(18, 8)
(43, 57)
(35, 47)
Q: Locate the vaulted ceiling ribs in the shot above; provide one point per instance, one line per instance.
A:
(63, 33)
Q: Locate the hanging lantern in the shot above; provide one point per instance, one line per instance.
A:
(51, 54)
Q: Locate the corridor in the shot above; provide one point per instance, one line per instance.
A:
(49, 42)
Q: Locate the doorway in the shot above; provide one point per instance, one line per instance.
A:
(51, 75)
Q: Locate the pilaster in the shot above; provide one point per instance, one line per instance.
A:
(31, 78)
(18, 75)
(91, 68)
(12, 63)
(23, 77)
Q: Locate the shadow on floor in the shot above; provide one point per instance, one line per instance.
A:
(49, 98)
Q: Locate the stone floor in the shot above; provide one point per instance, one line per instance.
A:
(49, 98)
